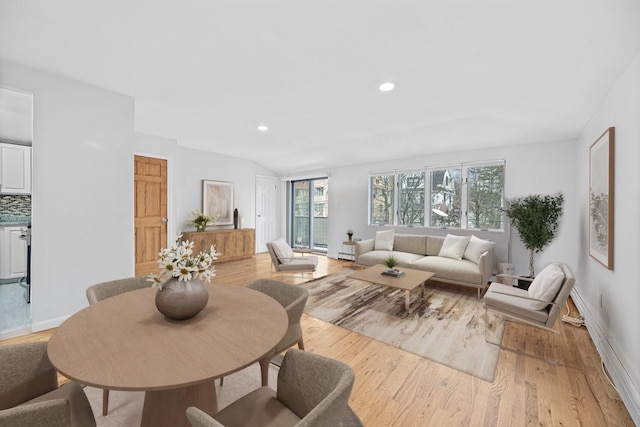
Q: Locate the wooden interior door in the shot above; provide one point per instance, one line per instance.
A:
(150, 182)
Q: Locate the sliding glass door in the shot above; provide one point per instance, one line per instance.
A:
(309, 213)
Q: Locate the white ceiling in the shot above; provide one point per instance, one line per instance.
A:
(468, 73)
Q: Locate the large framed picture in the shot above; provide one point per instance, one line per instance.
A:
(217, 201)
(601, 198)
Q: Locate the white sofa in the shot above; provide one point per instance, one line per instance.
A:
(473, 269)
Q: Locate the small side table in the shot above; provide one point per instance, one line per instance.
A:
(350, 252)
(302, 251)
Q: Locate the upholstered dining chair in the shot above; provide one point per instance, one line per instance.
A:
(29, 392)
(294, 300)
(539, 306)
(104, 290)
(312, 390)
(284, 261)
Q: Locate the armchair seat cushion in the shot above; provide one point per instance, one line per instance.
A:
(258, 408)
(515, 302)
(302, 263)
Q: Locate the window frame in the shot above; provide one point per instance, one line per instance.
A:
(428, 194)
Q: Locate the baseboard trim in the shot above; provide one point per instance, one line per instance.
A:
(48, 324)
(629, 391)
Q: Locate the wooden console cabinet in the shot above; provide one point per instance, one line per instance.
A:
(230, 243)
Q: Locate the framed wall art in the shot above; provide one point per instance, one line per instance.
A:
(601, 198)
(217, 201)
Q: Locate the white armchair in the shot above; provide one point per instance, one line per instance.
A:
(539, 306)
(283, 261)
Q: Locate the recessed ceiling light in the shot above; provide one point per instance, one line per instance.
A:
(387, 86)
(262, 128)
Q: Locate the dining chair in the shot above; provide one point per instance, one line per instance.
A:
(29, 392)
(104, 290)
(538, 306)
(284, 261)
(294, 300)
(312, 390)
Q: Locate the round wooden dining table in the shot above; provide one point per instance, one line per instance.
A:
(124, 343)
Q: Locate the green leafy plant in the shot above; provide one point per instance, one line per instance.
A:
(390, 261)
(536, 219)
(201, 221)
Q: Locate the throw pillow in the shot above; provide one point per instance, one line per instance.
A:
(283, 250)
(477, 247)
(454, 246)
(384, 240)
(545, 286)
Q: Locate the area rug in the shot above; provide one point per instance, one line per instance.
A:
(447, 326)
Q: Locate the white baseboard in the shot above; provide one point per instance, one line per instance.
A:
(51, 323)
(628, 389)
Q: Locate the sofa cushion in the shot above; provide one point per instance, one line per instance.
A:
(454, 246)
(545, 286)
(283, 250)
(384, 240)
(373, 257)
(464, 271)
(434, 244)
(406, 259)
(412, 244)
(477, 247)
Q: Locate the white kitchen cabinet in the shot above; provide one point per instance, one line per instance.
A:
(15, 169)
(13, 253)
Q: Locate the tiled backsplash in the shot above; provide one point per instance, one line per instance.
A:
(17, 205)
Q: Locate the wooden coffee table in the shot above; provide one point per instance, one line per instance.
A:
(411, 280)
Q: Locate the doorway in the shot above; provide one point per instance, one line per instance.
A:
(266, 188)
(150, 212)
(309, 213)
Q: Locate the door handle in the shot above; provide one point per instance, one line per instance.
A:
(164, 220)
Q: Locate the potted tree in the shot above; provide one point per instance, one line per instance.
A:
(536, 219)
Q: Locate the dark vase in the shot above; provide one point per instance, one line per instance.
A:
(235, 218)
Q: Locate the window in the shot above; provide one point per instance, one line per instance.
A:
(458, 196)
(382, 199)
(446, 197)
(411, 196)
(485, 196)
(306, 231)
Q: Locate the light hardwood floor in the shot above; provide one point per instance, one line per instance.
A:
(396, 388)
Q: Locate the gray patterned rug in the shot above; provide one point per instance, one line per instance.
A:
(446, 327)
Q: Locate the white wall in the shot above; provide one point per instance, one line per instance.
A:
(196, 165)
(530, 169)
(82, 202)
(188, 167)
(82, 189)
(614, 325)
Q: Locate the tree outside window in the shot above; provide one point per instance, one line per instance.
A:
(485, 197)
(461, 196)
(382, 199)
(411, 197)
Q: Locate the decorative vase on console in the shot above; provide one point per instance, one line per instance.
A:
(184, 294)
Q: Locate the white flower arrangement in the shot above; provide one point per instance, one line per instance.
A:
(179, 261)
